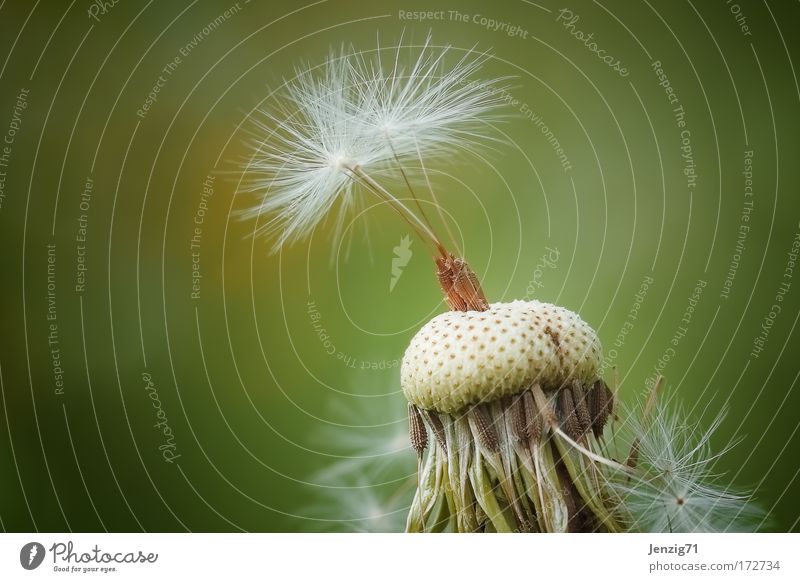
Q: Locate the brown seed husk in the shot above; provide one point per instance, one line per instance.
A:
(496, 470)
(599, 406)
(581, 408)
(416, 429)
(437, 428)
(569, 420)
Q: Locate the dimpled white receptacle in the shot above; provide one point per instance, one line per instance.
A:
(460, 358)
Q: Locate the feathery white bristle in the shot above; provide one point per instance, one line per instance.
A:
(367, 481)
(364, 113)
(675, 487)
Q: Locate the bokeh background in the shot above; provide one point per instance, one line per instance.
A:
(278, 383)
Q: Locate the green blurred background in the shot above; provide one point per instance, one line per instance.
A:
(279, 384)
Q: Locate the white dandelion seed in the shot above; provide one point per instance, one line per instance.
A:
(380, 450)
(370, 485)
(675, 487)
(362, 506)
(337, 130)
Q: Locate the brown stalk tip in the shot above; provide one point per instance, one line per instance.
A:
(461, 287)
